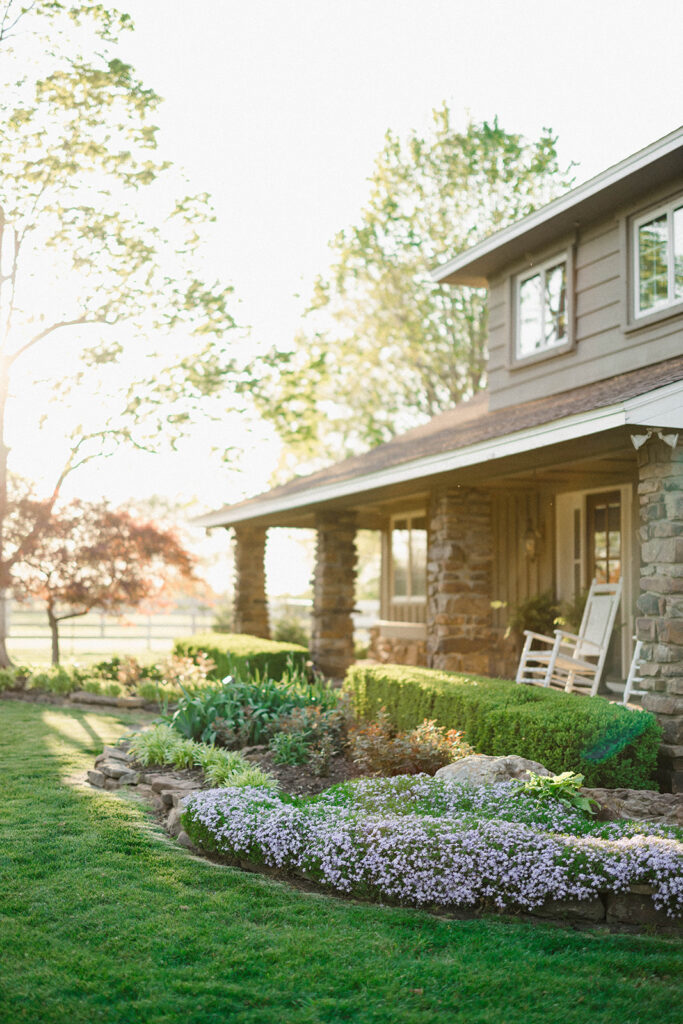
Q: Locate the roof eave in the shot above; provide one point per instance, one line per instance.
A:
(661, 408)
(477, 265)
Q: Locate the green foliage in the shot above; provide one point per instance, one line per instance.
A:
(378, 749)
(565, 788)
(289, 748)
(241, 711)
(162, 745)
(377, 317)
(610, 745)
(237, 653)
(290, 629)
(538, 613)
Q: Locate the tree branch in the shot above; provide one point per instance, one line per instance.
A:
(49, 330)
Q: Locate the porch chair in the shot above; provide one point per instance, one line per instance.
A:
(634, 675)
(573, 661)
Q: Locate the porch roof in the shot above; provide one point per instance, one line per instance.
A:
(471, 435)
(620, 184)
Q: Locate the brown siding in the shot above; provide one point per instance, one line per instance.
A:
(605, 343)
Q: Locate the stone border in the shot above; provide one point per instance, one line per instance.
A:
(632, 911)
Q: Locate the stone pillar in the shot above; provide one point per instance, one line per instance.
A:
(334, 585)
(460, 634)
(660, 605)
(250, 614)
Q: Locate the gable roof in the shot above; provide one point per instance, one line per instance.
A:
(622, 183)
(471, 434)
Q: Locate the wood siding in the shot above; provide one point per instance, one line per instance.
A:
(606, 340)
(515, 576)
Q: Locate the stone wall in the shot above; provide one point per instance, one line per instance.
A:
(389, 650)
(250, 613)
(334, 586)
(460, 634)
(660, 605)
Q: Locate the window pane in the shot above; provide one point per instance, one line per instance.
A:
(678, 253)
(530, 316)
(556, 305)
(400, 539)
(419, 561)
(652, 262)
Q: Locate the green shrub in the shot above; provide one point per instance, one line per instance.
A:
(236, 653)
(290, 629)
(610, 745)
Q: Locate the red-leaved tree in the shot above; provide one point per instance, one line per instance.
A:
(89, 556)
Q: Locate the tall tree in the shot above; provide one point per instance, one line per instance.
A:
(89, 556)
(98, 260)
(384, 348)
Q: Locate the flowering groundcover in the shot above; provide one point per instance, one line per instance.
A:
(429, 842)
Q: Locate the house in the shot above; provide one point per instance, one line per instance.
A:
(569, 466)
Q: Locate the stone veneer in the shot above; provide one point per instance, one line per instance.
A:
(396, 651)
(250, 613)
(660, 605)
(334, 588)
(460, 634)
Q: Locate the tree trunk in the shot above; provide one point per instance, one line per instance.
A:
(54, 630)
(4, 574)
(5, 660)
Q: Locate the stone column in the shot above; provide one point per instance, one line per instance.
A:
(660, 605)
(460, 634)
(334, 584)
(250, 614)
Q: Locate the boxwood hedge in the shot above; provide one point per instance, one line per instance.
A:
(239, 653)
(609, 744)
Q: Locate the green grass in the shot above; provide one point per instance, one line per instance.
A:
(102, 919)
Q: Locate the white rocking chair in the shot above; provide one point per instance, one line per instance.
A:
(634, 675)
(573, 661)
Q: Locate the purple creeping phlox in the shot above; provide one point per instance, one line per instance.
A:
(430, 842)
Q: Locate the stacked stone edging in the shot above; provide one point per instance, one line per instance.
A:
(633, 910)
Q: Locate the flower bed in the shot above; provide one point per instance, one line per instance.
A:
(427, 842)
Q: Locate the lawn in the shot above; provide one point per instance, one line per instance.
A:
(103, 919)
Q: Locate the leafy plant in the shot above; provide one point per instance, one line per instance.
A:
(241, 711)
(289, 748)
(377, 749)
(162, 745)
(565, 788)
(539, 614)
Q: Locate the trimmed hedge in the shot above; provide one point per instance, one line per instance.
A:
(239, 653)
(609, 744)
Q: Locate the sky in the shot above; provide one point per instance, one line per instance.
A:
(278, 109)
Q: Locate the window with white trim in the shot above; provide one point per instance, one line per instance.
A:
(542, 308)
(658, 259)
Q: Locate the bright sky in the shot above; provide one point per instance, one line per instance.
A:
(278, 108)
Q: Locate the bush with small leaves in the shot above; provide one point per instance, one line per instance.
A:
(377, 749)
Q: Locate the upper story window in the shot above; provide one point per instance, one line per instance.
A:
(542, 309)
(658, 258)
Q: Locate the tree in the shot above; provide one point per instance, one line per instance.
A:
(97, 265)
(386, 348)
(90, 556)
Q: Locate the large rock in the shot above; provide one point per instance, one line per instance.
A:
(480, 769)
(638, 805)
